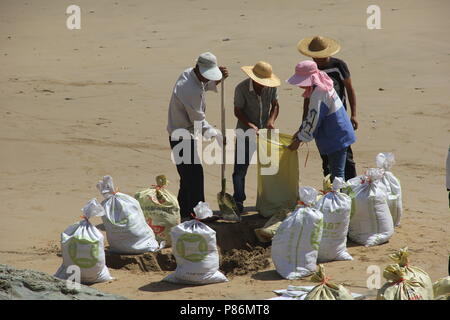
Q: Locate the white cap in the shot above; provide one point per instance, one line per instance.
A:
(207, 64)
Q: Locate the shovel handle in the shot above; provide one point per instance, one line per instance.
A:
(224, 185)
(222, 106)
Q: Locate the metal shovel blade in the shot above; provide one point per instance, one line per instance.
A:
(228, 208)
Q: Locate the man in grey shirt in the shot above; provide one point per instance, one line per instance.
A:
(255, 107)
(186, 112)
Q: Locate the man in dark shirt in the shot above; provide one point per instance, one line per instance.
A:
(321, 50)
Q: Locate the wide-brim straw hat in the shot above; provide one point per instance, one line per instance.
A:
(262, 73)
(318, 47)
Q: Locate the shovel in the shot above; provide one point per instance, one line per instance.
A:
(228, 208)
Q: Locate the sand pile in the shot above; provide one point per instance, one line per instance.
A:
(233, 262)
(240, 262)
(163, 260)
(240, 252)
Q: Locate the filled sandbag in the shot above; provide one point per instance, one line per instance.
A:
(327, 290)
(335, 207)
(82, 244)
(195, 249)
(401, 259)
(401, 286)
(441, 289)
(371, 222)
(126, 229)
(296, 243)
(160, 208)
(266, 233)
(385, 161)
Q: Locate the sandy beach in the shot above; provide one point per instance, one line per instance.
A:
(76, 105)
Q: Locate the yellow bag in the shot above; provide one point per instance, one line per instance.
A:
(441, 289)
(401, 258)
(161, 209)
(278, 174)
(400, 285)
(327, 290)
(266, 233)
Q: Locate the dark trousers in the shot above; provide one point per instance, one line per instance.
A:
(350, 166)
(242, 158)
(191, 175)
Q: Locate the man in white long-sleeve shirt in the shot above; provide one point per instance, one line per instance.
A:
(186, 113)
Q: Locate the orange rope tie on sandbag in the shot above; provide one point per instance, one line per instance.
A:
(366, 179)
(157, 187)
(325, 280)
(114, 192)
(399, 281)
(195, 217)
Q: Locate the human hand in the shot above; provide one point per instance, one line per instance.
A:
(224, 71)
(254, 127)
(354, 122)
(270, 125)
(221, 140)
(294, 145)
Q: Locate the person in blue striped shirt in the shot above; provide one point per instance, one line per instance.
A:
(327, 121)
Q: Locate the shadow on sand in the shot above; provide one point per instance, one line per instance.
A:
(163, 286)
(268, 275)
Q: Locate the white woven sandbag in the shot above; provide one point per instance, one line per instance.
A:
(82, 244)
(371, 222)
(296, 243)
(125, 225)
(385, 161)
(195, 249)
(335, 207)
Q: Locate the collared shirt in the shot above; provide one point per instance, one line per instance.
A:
(187, 103)
(256, 108)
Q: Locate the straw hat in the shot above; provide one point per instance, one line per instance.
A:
(318, 47)
(262, 73)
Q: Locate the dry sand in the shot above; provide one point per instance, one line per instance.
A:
(77, 105)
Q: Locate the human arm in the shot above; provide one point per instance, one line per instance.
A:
(274, 111)
(310, 123)
(239, 104)
(243, 118)
(448, 170)
(352, 100)
(305, 113)
(305, 108)
(224, 71)
(191, 102)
